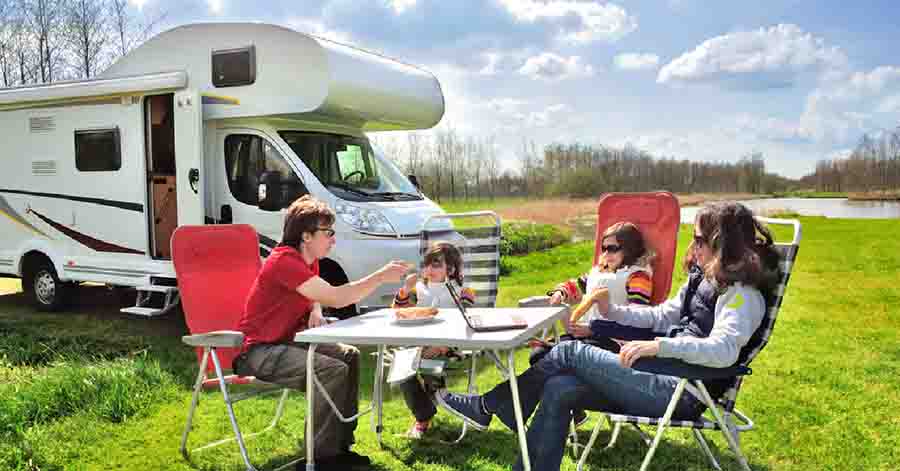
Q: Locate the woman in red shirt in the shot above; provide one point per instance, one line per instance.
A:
(287, 297)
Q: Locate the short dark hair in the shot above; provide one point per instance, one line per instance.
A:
(449, 254)
(631, 239)
(305, 215)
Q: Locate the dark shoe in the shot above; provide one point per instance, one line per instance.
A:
(466, 407)
(579, 417)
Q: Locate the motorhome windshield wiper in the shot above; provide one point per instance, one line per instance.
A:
(396, 194)
(349, 189)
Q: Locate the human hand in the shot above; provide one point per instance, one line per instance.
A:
(556, 298)
(410, 282)
(393, 271)
(316, 319)
(578, 330)
(433, 352)
(632, 351)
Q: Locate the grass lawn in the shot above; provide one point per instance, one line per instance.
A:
(91, 389)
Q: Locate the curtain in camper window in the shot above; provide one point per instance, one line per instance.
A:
(247, 157)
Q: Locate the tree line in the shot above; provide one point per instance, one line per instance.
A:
(873, 165)
(43, 41)
(448, 165)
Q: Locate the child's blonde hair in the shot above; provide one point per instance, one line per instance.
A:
(450, 255)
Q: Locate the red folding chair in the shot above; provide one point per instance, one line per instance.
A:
(215, 267)
(658, 216)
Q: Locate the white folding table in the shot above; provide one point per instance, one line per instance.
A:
(449, 330)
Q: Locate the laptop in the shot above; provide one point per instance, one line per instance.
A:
(493, 323)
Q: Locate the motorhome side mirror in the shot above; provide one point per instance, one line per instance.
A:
(415, 181)
(269, 191)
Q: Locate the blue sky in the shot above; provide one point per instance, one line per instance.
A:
(798, 80)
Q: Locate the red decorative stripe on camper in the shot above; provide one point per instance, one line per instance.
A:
(85, 240)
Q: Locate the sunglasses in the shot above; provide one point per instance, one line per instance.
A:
(612, 248)
(327, 230)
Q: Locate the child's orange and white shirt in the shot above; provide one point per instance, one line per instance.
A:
(432, 294)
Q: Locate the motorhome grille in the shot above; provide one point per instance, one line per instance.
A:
(43, 167)
(41, 124)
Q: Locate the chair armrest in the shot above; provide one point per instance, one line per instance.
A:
(218, 339)
(535, 301)
(672, 367)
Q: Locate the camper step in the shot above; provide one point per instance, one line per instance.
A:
(142, 311)
(157, 288)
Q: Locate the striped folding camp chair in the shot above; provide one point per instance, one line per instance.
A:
(725, 416)
(477, 236)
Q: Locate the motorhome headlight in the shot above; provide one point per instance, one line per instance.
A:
(364, 219)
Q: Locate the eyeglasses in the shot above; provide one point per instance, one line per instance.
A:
(611, 248)
(699, 241)
(327, 230)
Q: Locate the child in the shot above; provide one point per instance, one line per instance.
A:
(442, 262)
(622, 274)
(623, 270)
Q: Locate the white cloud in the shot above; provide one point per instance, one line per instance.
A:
(491, 61)
(399, 6)
(768, 57)
(596, 21)
(636, 61)
(215, 6)
(550, 66)
(547, 117)
(139, 4)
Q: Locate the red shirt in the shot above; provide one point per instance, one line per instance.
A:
(275, 311)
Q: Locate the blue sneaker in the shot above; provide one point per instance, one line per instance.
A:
(464, 406)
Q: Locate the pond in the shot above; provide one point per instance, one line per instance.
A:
(828, 207)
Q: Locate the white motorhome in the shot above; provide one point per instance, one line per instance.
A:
(206, 124)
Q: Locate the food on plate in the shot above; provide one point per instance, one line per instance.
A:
(415, 312)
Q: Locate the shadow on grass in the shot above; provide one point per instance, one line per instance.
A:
(502, 447)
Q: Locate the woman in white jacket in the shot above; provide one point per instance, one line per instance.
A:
(712, 322)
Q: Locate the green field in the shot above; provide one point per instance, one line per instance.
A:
(90, 389)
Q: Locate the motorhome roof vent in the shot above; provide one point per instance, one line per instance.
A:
(43, 167)
(41, 124)
(234, 67)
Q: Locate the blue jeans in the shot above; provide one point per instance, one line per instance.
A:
(574, 374)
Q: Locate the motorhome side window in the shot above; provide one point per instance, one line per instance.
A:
(247, 157)
(98, 150)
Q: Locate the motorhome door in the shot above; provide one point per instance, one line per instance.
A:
(190, 181)
(251, 161)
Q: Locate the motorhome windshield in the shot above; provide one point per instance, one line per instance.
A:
(350, 168)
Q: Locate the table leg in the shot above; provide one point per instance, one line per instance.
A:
(517, 408)
(310, 404)
(379, 385)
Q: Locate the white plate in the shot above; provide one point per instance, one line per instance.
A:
(424, 320)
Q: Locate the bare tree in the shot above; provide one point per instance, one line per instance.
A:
(44, 19)
(7, 31)
(492, 165)
(87, 34)
(128, 30)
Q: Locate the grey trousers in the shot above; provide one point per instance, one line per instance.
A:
(336, 367)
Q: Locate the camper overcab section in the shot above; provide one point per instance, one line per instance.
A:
(207, 123)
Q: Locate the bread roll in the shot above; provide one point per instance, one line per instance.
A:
(586, 303)
(415, 312)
